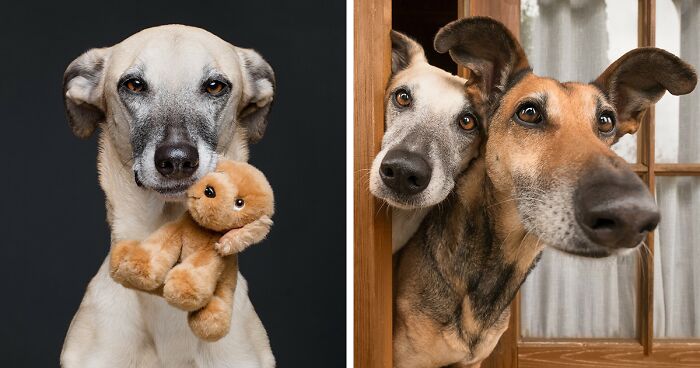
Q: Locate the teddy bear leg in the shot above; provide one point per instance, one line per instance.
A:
(143, 264)
(191, 284)
(214, 320)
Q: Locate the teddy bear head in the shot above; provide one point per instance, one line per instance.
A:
(233, 195)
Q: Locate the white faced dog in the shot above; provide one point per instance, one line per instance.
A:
(168, 100)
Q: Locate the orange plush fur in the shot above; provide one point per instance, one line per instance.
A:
(192, 262)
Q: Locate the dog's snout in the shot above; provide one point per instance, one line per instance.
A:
(614, 208)
(176, 160)
(405, 172)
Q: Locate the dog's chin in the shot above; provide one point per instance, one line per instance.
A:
(413, 202)
(172, 194)
(589, 249)
(168, 191)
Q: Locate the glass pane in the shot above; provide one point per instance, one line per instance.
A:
(567, 296)
(677, 258)
(576, 40)
(575, 297)
(678, 118)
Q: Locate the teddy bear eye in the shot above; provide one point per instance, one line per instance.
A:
(239, 203)
(209, 192)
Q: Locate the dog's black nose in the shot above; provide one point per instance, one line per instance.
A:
(405, 172)
(176, 160)
(614, 208)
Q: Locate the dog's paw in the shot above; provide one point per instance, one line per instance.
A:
(131, 266)
(184, 290)
(212, 322)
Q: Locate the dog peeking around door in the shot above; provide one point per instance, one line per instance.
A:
(545, 176)
(432, 133)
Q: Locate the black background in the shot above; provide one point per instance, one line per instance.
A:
(53, 230)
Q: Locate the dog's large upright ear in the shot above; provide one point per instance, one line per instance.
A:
(487, 48)
(258, 93)
(82, 92)
(404, 52)
(638, 79)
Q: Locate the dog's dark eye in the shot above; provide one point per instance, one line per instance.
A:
(606, 122)
(239, 203)
(528, 114)
(209, 192)
(402, 97)
(135, 85)
(467, 122)
(214, 87)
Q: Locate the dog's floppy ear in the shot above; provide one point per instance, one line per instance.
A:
(638, 79)
(487, 48)
(82, 91)
(258, 93)
(404, 52)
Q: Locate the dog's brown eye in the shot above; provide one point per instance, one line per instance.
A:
(135, 85)
(402, 97)
(529, 114)
(606, 123)
(239, 203)
(214, 87)
(467, 122)
(209, 192)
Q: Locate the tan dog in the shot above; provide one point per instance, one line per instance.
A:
(167, 102)
(228, 210)
(546, 176)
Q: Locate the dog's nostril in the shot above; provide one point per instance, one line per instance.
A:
(190, 164)
(413, 180)
(603, 223)
(388, 172)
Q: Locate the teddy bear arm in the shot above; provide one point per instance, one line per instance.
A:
(143, 264)
(165, 246)
(237, 240)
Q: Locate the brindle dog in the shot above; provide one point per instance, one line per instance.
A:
(545, 176)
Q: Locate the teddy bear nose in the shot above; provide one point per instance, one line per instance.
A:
(176, 160)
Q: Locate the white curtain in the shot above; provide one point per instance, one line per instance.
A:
(568, 296)
(677, 250)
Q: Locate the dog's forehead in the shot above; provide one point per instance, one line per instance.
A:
(433, 87)
(174, 50)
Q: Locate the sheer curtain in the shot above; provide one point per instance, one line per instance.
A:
(567, 296)
(677, 250)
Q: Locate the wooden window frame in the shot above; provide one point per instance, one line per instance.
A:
(372, 227)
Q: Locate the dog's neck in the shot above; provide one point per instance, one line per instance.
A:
(481, 249)
(134, 212)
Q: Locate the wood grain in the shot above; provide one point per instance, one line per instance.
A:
(372, 232)
(604, 355)
(677, 169)
(646, 32)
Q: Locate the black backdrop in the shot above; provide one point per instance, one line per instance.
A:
(53, 230)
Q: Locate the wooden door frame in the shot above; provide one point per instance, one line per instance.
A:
(372, 232)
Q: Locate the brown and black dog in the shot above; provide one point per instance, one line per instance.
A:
(546, 176)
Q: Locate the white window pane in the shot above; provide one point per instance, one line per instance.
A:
(576, 40)
(575, 297)
(678, 118)
(677, 258)
(568, 296)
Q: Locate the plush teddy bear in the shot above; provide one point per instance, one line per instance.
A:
(192, 262)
